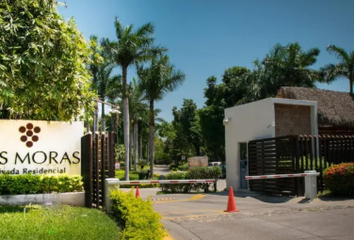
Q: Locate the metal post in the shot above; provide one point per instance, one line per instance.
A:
(109, 185)
(311, 185)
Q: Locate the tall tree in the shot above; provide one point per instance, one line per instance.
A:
(287, 65)
(138, 108)
(220, 96)
(345, 67)
(96, 61)
(131, 47)
(156, 81)
(43, 73)
(188, 119)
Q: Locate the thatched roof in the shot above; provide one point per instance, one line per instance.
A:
(333, 107)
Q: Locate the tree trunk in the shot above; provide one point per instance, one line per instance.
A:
(116, 122)
(151, 138)
(103, 118)
(136, 156)
(147, 151)
(126, 123)
(130, 150)
(351, 86)
(95, 118)
(88, 128)
(141, 145)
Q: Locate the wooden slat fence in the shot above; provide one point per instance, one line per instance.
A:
(296, 154)
(319, 152)
(273, 156)
(97, 156)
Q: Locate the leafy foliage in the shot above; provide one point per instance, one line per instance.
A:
(136, 216)
(339, 179)
(283, 66)
(156, 80)
(345, 67)
(287, 65)
(119, 151)
(35, 184)
(188, 138)
(132, 47)
(193, 173)
(43, 71)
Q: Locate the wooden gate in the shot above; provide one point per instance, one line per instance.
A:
(97, 164)
(295, 154)
(274, 156)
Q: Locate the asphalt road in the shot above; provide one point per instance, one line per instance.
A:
(193, 217)
(202, 216)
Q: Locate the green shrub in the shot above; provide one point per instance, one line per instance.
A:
(193, 173)
(173, 167)
(203, 173)
(122, 165)
(183, 167)
(34, 184)
(136, 217)
(182, 187)
(144, 174)
(144, 185)
(339, 179)
(143, 163)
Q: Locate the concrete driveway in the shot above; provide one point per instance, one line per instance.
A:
(199, 216)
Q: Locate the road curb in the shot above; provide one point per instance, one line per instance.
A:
(168, 237)
(163, 199)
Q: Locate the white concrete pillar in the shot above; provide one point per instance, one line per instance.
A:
(311, 185)
(109, 184)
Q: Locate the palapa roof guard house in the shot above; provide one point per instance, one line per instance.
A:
(335, 110)
(294, 111)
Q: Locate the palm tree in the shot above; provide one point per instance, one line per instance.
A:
(155, 81)
(96, 60)
(289, 66)
(104, 83)
(345, 67)
(131, 47)
(283, 66)
(138, 108)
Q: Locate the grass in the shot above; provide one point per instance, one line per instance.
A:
(56, 222)
(133, 175)
(325, 193)
(147, 185)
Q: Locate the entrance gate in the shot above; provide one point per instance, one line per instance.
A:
(97, 164)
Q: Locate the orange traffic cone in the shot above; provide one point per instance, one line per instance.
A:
(231, 205)
(137, 193)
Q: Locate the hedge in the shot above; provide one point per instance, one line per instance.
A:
(144, 185)
(136, 217)
(193, 173)
(33, 184)
(339, 179)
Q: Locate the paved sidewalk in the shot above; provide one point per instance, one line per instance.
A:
(202, 216)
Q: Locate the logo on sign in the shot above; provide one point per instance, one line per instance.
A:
(29, 134)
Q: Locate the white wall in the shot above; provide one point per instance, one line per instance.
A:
(253, 121)
(246, 122)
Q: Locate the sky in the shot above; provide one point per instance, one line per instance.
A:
(205, 37)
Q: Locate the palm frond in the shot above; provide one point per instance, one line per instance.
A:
(340, 53)
(145, 30)
(330, 72)
(119, 28)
